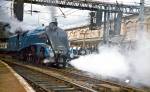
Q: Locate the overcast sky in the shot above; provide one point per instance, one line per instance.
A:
(73, 17)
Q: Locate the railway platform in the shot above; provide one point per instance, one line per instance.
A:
(10, 81)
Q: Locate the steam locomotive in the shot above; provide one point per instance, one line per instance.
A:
(43, 45)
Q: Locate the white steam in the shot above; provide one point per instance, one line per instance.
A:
(111, 62)
(139, 60)
(107, 63)
(4, 14)
(53, 12)
(19, 26)
(6, 17)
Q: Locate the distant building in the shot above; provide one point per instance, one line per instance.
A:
(84, 37)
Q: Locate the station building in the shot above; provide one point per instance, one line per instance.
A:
(84, 37)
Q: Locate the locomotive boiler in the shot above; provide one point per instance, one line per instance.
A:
(43, 45)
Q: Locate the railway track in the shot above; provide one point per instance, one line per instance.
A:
(96, 84)
(46, 83)
(92, 83)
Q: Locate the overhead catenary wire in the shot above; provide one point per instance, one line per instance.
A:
(62, 12)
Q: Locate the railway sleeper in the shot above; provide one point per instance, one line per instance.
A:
(46, 81)
(46, 85)
(56, 82)
(37, 79)
(50, 85)
(107, 88)
(63, 89)
(111, 88)
(54, 87)
(41, 82)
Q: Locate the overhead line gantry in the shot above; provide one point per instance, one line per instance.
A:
(88, 5)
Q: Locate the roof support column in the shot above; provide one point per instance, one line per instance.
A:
(18, 9)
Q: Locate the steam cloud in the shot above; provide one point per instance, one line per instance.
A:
(111, 62)
(139, 59)
(53, 12)
(6, 17)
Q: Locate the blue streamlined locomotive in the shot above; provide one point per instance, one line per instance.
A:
(43, 45)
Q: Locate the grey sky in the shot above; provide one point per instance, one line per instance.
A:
(73, 17)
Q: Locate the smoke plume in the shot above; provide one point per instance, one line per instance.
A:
(7, 17)
(139, 59)
(133, 65)
(53, 12)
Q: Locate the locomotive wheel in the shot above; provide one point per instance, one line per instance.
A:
(21, 55)
(61, 62)
(64, 63)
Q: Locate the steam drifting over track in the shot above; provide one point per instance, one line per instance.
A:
(42, 77)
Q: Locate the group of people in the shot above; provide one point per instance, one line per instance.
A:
(83, 51)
